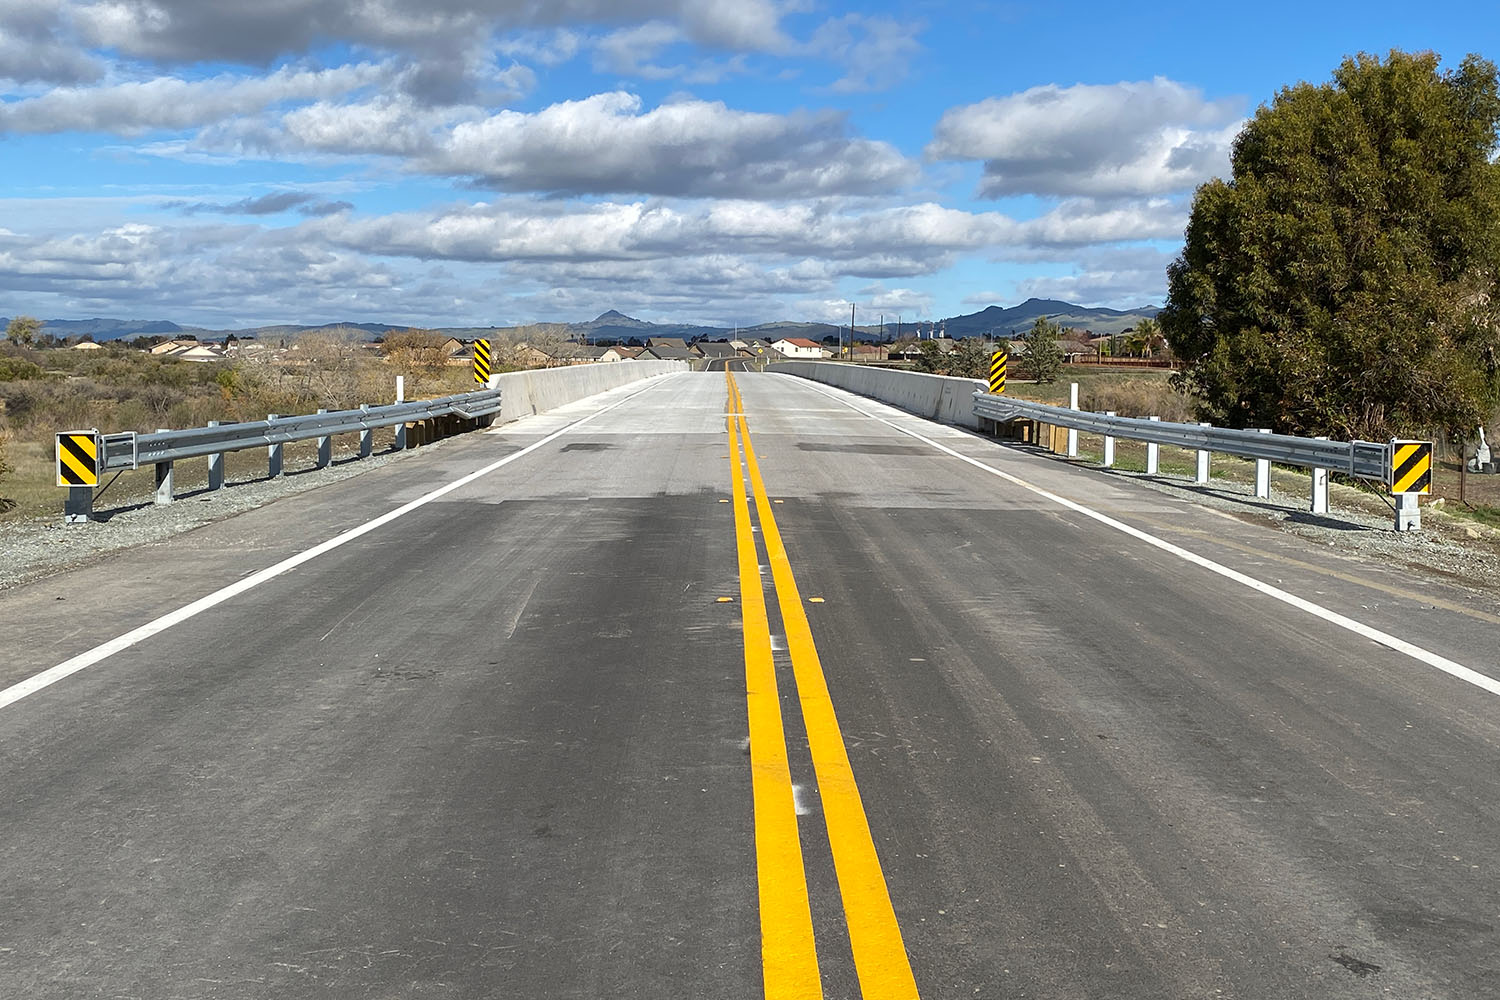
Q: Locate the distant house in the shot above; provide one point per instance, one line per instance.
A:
(663, 352)
(871, 352)
(87, 345)
(716, 349)
(172, 346)
(200, 352)
(621, 353)
(799, 347)
(675, 343)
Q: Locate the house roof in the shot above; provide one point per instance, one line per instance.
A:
(676, 342)
(800, 342)
(666, 353)
(715, 349)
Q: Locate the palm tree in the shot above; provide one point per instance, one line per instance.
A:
(1146, 338)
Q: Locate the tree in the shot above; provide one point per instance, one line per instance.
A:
(1145, 339)
(1043, 359)
(971, 359)
(420, 355)
(1343, 282)
(931, 359)
(23, 330)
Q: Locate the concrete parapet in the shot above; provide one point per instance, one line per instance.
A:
(529, 392)
(942, 398)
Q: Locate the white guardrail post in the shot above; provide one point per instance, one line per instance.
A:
(1201, 473)
(1109, 445)
(163, 479)
(215, 466)
(1320, 488)
(401, 427)
(274, 464)
(325, 447)
(1263, 471)
(1073, 431)
(1153, 454)
(366, 437)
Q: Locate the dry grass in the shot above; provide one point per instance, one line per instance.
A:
(1145, 393)
(118, 388)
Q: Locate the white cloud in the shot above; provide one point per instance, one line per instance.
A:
(876, 52)
(36, 45)
(257, 33)
(1125, 139)
(603, 144)
(171, 103)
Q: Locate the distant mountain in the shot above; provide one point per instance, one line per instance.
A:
(107, 329)
(1018, 319)
(618, 327)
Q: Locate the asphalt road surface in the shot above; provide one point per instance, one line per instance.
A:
(662, 701)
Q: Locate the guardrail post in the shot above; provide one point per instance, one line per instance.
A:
(1408, 514)
(366, 437)
(1320, 486)
(401, 427)
(1201, 475)
(1109, 445)
(78, 508)
(273, 454)
(1263, 471)
(163, 478)
(215, 466)
(325, 447)
(1073, 431)
(1153, 453)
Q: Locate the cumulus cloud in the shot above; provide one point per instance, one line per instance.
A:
(880, 242)
(36, 45)
(193, 31)
(1114, 278)
(603, 144)
(1126, 139)
(171, 103)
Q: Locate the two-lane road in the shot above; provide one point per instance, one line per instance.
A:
(673, 703)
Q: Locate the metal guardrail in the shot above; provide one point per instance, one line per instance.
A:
(131, 451)
(1369, 460)
(121, 452)
(1361, 459)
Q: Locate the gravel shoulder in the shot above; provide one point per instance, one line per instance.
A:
(1456, 550)
(32, 548)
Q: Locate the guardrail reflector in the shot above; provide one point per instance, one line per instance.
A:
(997, 371)
(482, 362)
(1411, 467)
(77, 458)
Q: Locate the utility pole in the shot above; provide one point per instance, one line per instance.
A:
(851, 331)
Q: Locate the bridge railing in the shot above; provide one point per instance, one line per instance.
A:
(130, 450)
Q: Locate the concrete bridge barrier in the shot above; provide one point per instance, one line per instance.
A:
(942, 398)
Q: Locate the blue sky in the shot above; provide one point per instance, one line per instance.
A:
(491, 162)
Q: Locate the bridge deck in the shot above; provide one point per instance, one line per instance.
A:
(501, 745)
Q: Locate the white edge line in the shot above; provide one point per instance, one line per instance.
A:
(82, 661)
(1396, 643)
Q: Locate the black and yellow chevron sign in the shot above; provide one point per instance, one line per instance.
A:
(1411, 467)
(77, 459)
(481, 361)
(997, 371)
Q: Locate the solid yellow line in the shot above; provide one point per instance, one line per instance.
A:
(788, 953)
(880, 957)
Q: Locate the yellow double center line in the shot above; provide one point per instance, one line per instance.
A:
(788, 952)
